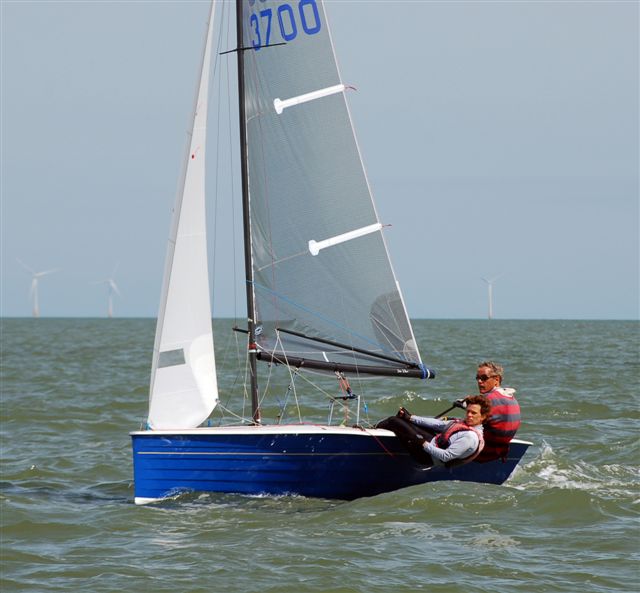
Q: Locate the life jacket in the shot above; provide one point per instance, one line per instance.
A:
(502, 424)
(443, 440)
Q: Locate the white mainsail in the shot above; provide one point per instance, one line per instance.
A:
(184, 389)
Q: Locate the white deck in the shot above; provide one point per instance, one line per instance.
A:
(269, 429)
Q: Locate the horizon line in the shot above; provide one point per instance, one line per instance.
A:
(138, 317)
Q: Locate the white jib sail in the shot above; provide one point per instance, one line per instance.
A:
(184, 388)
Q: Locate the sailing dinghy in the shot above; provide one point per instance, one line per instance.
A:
(320, 290)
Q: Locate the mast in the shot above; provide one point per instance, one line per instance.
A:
(255, 409)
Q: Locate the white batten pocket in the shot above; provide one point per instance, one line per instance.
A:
(316, 246)
(280, 105)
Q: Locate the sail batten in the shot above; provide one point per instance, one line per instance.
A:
(281, 104)
(316, 246)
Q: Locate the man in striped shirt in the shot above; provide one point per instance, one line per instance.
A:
(504, 420)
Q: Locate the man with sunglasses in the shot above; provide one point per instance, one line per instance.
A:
(504, 420)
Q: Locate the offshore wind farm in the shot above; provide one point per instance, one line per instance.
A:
(490, 282)
(34, 296)
(112, 290)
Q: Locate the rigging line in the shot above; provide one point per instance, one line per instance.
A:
(225, 31)
(379, 441)
(232, 177)
(295, 392)
(267, 196)
(222, 81)
(342, 401)
(247, 395)
(237, 49)
(290, 379)
(322, 317)
(355, 361)
(260, 90)
(216, 63)
(292, 382)
(362, 400)
(247, 399)
(274, 360)
(231, 413)
(237, 379)
(266, 387)
(359, 379)
(264, 392)
(282, 259)
(291, 387)
(227, 351)
(316, 386)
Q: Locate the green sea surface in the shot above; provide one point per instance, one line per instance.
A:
(567, 521)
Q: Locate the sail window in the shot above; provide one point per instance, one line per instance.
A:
(171, 358)
(280, 105)
(316, 246)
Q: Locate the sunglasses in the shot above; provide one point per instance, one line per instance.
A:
(484, 377)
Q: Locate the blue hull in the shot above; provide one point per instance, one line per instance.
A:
(313, 461)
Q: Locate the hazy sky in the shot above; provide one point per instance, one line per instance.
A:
(498, 137)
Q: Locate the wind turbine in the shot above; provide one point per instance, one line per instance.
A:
(112, 288)
(490, 282)
(33, 291)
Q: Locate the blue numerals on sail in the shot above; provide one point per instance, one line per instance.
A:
(287, 20)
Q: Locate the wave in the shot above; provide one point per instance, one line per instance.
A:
(551, 470)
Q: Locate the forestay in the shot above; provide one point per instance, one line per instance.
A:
(184, 387)
(325, 292)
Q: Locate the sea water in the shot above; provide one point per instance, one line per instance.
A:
(567, 521)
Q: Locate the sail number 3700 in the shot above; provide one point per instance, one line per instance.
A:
(304, 18)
